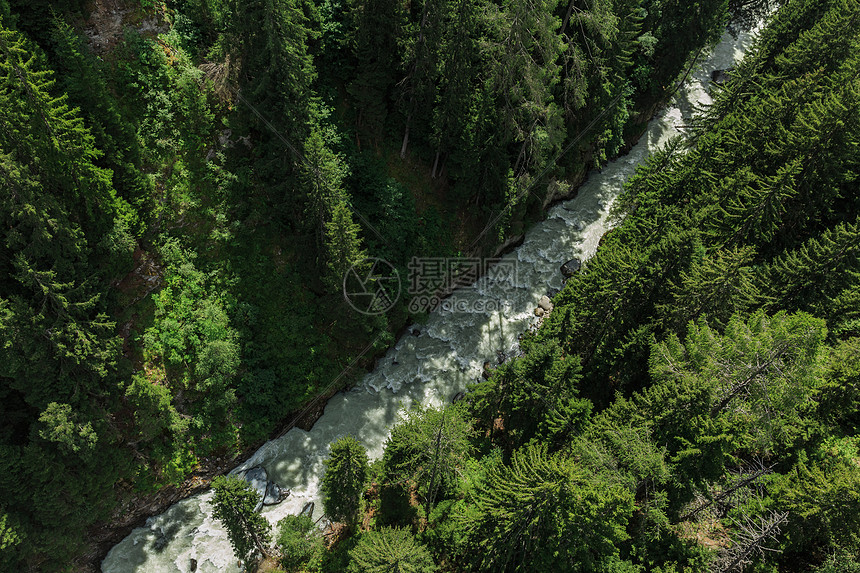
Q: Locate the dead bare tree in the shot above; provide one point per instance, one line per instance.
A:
(220, 74)
(750, 541)
(724, 498)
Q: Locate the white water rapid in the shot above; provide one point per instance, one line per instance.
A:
(430, 368)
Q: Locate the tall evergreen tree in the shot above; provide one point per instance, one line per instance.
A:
(374, 37)
(544, 513)
(428, 446)
(338, 241)
(344, 480)
(234, 505)
(390, 549)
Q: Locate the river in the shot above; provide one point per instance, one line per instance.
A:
(429, 368)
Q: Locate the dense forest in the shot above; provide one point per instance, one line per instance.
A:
(185, 183)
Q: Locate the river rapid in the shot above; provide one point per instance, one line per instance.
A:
(429, 368)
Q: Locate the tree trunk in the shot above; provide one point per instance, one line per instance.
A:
(405, 136)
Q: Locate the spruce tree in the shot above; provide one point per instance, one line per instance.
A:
(338, 241)
(234, 503)
(429, 446)
(342, 249)
(388, 550)
(342, 485)
(544, 513)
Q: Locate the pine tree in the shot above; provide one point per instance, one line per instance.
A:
(544, 513)
(525, 52)
(743, 391)
(755, 211)
(418, 88)
(388, 550)
(810, 276)
(342, 245)
(49, 137)
(718, 286)
(429, 447)
(377, 28)
(234, 503)
(536, 397)
(268, 41)
(453, 111)
(84, 80)
(299, 542)
(338, 241)
(344, 480)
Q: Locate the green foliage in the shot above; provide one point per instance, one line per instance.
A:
(536, 397)
(337, 235)
(544, 512)
(390, 549)
(627, 455)
(118, 246)
(822, 499)
(744, 391)
(84, 78)
(9, 538)
(153, 411)
(193, 343)
(344, 480)
(59, 379)
(234, 501)
(842, 562)
(61, 425)
(840, 396)
(430, 447)
(232, 317)
(299, 543)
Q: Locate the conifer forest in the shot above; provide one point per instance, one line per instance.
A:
(211, 212)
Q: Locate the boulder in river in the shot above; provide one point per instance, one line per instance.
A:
(269, 492)
(539, 312)
(259, 480)
(545, 303)
(571, 267)
(721, 76)
(275, 494)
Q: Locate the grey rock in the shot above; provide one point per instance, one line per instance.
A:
(275, 494)
(571, 267)
(721, 76)
(259, 480)
(458, 396)
(545, 303)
